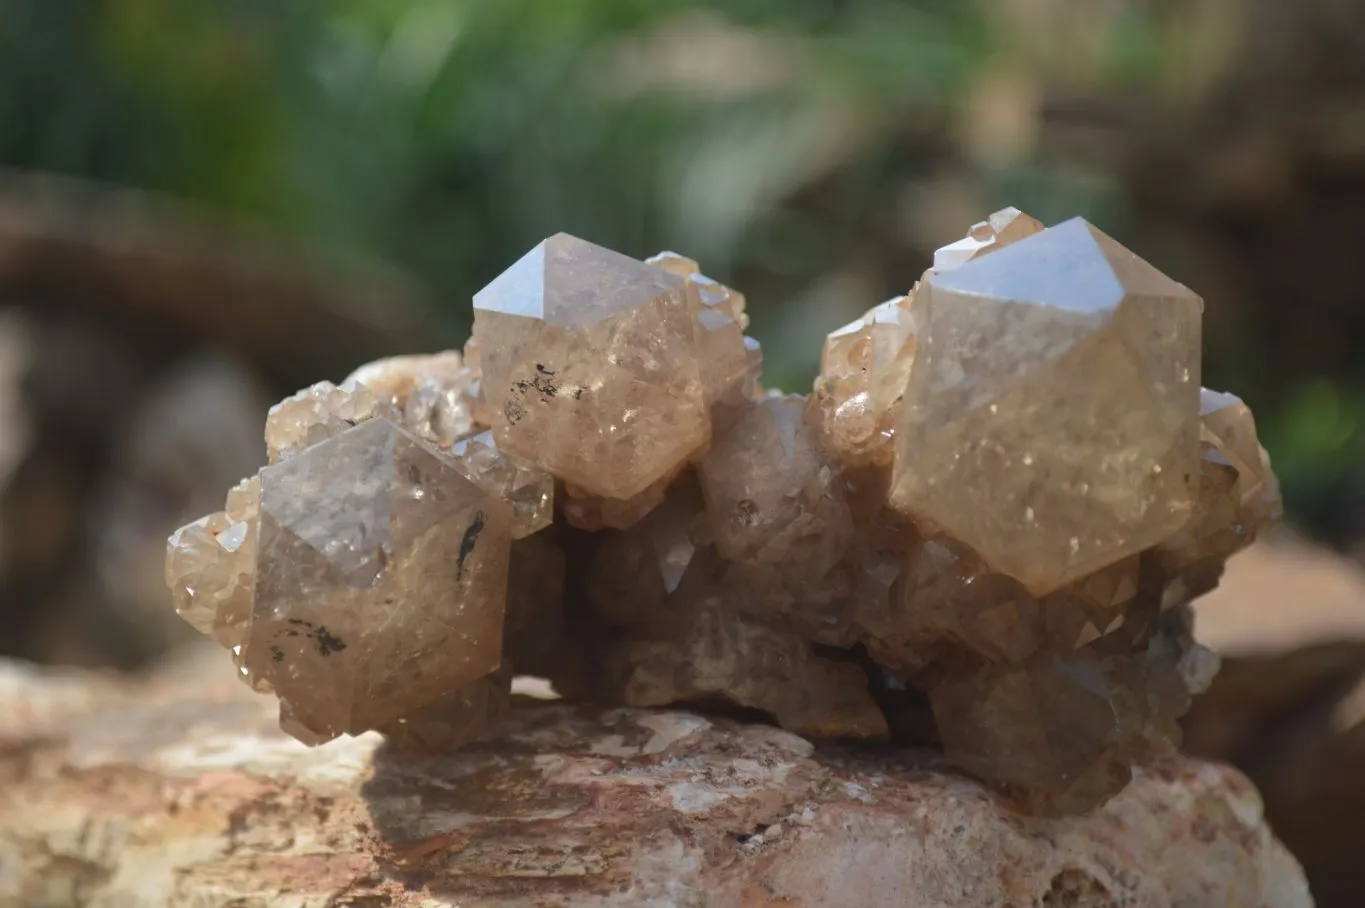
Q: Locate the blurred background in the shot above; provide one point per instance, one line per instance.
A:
(206, 205)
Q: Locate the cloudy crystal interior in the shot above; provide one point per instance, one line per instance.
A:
(981, 531)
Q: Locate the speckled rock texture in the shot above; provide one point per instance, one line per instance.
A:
(182, 791)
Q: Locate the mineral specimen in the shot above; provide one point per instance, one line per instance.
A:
(981, 531)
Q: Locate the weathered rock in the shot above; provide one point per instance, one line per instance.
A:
(184, 793)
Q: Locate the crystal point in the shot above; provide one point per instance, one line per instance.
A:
(381, 579)
(1051, 418)
(591, 366)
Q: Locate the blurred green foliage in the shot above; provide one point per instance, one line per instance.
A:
(812, 152)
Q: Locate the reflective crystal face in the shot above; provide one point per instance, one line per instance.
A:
(1051, 420)
(1229, 429)
(206, 563)
(591, 366)
(381, 579)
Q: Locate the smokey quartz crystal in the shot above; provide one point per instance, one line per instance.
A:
(980, 532)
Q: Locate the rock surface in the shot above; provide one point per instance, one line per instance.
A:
(183, 792)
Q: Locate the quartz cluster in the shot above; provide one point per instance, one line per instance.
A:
(982, 530)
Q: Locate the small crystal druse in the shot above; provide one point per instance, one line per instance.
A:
(981, 530)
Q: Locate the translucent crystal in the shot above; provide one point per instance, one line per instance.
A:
(586, 511)
(1009, 225)
(1230, 429)
(434, 393)
(729, 301)
(1064, 728)
(863, 371)
(771, 497)
(721, 323)
(200, 570)
(381, 580)
(1239, 497)
(1051, 419)
(674, 263)
(317, 413)
(633, 574)
(528, 490)
(983, 529)
(533, 636)
(592, 366)
(945, 598)
(211, 564)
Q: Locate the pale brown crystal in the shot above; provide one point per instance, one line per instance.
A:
(592, 366)
(721, 321)
(981, 531)
(211, 566)
(865, 365)
(434, 393)
(1008, 225)
(1051, 417)
(200, 569)
(771, 497)
(1239, 497)
(530, 492)
(381, 579)
(634, 576)
(586, 511)
(456, 718)
(863, 371)
(317, 413)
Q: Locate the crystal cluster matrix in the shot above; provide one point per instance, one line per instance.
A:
(981, 531)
